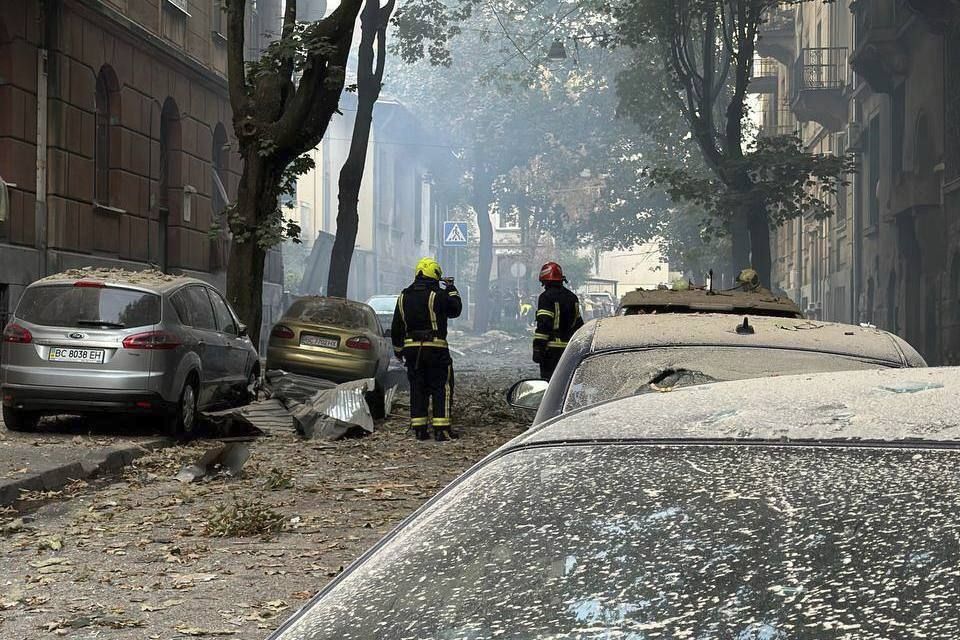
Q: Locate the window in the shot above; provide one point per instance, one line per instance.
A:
(193, 307)
(173, 21)
(224, 318)
(899, 126)
(218, 17)
(4, 207)
(65, 305)
(107, 109)
(873, 169)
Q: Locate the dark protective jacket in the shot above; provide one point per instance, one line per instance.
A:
(558, 317)
(420, 319)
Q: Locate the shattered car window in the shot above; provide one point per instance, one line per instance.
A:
(641, 541)
(330, 312)
(622, 374)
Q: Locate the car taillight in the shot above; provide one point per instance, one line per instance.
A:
(360, 342)
(90, 283)
(281, 331)
(15, 333)
(152, 340)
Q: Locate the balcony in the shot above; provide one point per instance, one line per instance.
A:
(779, 122)
(764, 76)
(777, 35)
(820, 78)
(878, 56)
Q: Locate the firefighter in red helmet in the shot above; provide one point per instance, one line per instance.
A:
(558, 317)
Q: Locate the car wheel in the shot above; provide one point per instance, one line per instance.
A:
(251, 392)
(19, 420)
(182, 422)
(377, 401)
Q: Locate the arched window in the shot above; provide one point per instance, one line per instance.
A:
(955, 281)
(107, 116)
(169, 178)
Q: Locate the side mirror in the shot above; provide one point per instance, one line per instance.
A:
(527, 394)
(242, 330)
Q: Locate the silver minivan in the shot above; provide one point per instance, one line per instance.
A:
(138, 343)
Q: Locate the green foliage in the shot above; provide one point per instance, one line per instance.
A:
(782, 178)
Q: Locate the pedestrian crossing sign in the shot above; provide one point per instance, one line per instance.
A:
(454, 234)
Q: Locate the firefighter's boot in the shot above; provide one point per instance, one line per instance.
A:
(442, 434)
(422, 433)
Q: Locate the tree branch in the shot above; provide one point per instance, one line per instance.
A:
(236, 74)
(286, 34)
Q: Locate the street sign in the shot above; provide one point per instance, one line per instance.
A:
(454, 234)
(518, 270)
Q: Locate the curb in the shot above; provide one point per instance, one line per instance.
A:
(96, 463)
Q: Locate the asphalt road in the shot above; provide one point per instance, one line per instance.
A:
(134, 554)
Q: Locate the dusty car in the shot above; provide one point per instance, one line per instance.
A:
(384, 306)
(331, 338)
(139, 343)
(757, 302)
(631, 355)
(797, 507)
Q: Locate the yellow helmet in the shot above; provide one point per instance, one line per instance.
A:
(428, 267)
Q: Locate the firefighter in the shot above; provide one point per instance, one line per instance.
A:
(558, 317)
(419, 335)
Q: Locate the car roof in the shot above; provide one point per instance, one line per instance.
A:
(760, 301)
(333, 300)
(146, 280)
(882, 405)
(663, 330)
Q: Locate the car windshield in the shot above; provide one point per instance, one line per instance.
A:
(621, 374)
(383, 304)
(644, 541)
(66, 305)
(331, 312)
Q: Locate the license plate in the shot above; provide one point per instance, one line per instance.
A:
(319, 341)
(67, 354)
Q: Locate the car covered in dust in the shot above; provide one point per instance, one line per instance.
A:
(814, 506)
(641, 354)
(331, 338)
(140, 343)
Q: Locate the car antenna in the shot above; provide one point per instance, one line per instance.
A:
(745, 328)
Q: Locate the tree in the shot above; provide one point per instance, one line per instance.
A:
(374, 20)
(276, 120)
(695, 57)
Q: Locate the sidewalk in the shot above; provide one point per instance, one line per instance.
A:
(50, 461)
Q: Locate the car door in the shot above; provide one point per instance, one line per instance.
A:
(235, 373)
(210, 345)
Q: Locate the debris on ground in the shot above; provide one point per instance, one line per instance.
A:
(334, 413)
(233, 556)
(227, 459)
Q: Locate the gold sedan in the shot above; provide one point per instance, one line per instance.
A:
(331, 338)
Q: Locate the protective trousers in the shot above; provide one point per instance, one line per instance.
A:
(430, 371)
(548, 362)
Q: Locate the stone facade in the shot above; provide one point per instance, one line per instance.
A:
(124, 102)
(891, 255)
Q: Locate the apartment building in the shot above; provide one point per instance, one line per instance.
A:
(878, 80)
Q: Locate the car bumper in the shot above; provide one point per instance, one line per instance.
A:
(66, 400)
(333, 368)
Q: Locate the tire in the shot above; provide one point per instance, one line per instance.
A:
(377, 401)
(19, 420)
(182, 424)
(253, 381)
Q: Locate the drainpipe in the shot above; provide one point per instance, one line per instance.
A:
(47, 11)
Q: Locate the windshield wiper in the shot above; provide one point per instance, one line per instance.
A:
(101, 323)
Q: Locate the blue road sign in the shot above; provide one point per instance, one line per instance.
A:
(454, 234)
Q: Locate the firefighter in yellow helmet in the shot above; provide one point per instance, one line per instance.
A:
(419, 335)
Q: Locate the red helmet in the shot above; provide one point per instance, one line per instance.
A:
(551, 272)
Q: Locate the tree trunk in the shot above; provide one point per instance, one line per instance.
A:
(739, 243)
(760, 246)
(373, 25)
(245, 284)
(481, 204)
